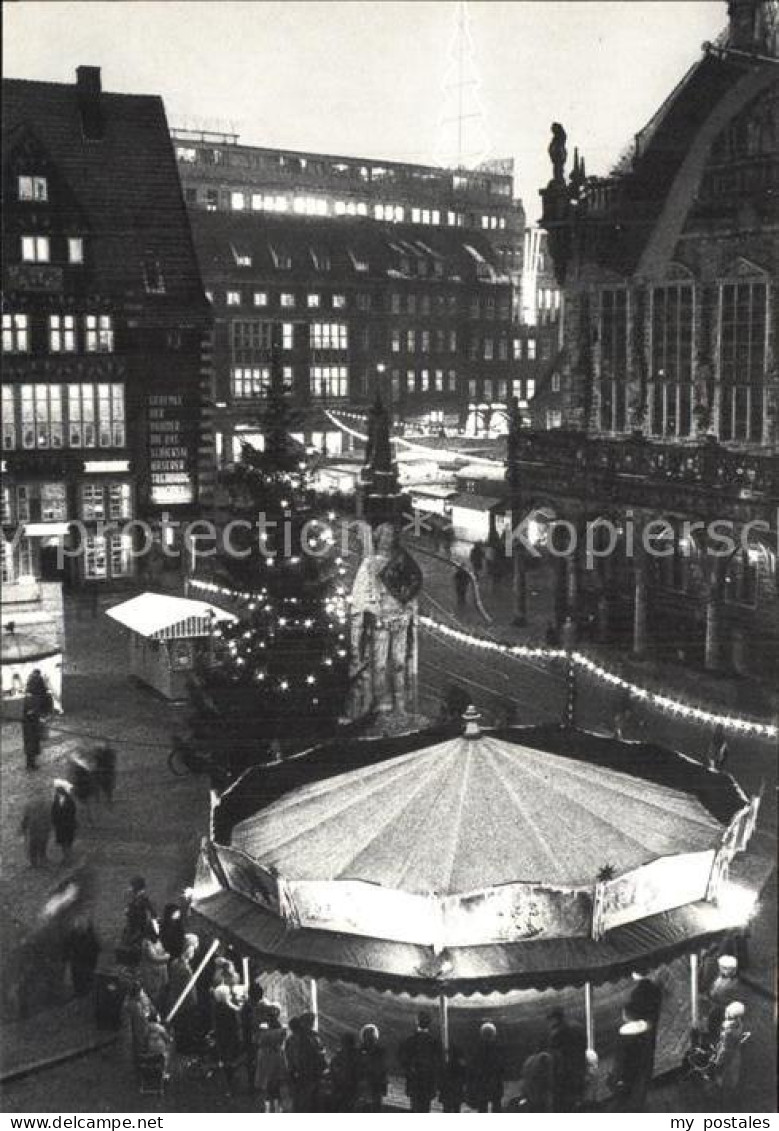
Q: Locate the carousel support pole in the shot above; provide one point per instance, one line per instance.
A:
(443, 1016)
(588, 1016)
(694, 1003)
(188, 988)
(314, 989)
(245, 965)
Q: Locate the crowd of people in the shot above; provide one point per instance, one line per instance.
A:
(208, 1008)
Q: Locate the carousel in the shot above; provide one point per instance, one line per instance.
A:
(490, 872)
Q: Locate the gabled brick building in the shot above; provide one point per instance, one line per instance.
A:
(104, 324)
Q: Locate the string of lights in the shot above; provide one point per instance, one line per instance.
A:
(665, 703)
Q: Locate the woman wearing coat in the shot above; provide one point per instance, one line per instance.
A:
(153, 967)
(63, 818)
(728, 1054)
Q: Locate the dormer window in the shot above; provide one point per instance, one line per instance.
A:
(242, 258)
(33, 188)
(35, 249)
(75, 249)
(153, 279)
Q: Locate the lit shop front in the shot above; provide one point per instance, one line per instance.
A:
(489, 871)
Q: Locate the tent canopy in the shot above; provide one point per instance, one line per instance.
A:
(467, 814)
(158, 616)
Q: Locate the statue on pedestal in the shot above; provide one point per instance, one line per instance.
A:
(383, 629)
(558, 153)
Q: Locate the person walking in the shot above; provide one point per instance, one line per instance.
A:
(138, 1009)
(631, 1071)
(422, 1062)
(462, 581)
(186, 1023)
(567, 1045)
(728, 1055)
(153, 967)
(64, 818)
(270, 1070)
(36, 829)
(373, 1068)
(477, 558)
(454, 1079)
(718, 752)
(486, 1072)
(138, 914)
(31, 736)
(228, 1032)
(645, 1002)
(535, 1085)
(345, 1074)
(81, 952)
(305, 1059)
(104, 763)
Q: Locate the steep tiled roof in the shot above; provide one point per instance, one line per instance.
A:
(126, 185)
(264, 238)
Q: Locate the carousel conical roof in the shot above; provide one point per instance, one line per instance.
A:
(471, 813)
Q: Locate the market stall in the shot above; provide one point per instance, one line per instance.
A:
(523, 861)
(168, 637)
(24, 651)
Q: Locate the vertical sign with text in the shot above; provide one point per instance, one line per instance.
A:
(170, 464)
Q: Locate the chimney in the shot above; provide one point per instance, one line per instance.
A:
(88, 87)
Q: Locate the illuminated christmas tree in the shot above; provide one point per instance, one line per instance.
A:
(282, 664)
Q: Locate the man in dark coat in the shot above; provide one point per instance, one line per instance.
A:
(64, 819)
(567, 1045)
(632, 1071)
(421, 1058)
(81, 952)
(36, 828)
(645, 1002)
(306, 1063)
(31, 735)
(486, 1071)
(462, 580)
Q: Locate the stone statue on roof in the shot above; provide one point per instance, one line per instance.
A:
(558, 153)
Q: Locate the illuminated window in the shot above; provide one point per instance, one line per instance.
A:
(328, 336)
(439, 380)
(41, 416)
(531, 349)
(489, 349)
(16, 333)
(119, 500)
(250, 381)
(425, 380)
(95, 557)
(9, 418)
(329, 380)
(339, 302)
(452, 380)
(287, 335)
(743, 321)
(425, 341)
(75, 249)
(96, 411)
(62, 333)
(120, 550)
(22, 503)
(237, 201)
(453, 341)
(35, 249)
(242, 259)
(395, 341)
(99, 333)
(92, 502)
(488, 389)
(313, 301)
(260, 298)
(411, 341)
(411, 380)
(33, 188)
(233, 298)
(287, 300)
